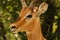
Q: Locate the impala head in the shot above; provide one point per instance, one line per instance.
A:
(28, 17)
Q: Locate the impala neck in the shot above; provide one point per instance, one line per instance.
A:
(36, 32)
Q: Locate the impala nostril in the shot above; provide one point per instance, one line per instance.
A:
(13, 27)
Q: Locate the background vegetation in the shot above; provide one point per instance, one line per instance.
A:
(9, 10)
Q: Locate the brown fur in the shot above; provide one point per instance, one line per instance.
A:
(31, 26)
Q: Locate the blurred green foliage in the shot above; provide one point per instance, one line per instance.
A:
(9, 11)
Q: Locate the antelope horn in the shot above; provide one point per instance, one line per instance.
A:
(23, 3)
(34, 3)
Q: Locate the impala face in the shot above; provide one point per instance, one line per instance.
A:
(28, 18)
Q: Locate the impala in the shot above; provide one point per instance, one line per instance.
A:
(29, 20)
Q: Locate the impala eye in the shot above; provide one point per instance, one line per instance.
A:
(29, 16)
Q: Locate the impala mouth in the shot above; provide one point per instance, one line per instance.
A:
(13, 30)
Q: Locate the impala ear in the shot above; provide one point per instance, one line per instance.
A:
(42, 8)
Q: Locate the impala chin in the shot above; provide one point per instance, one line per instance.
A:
(12, 30)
